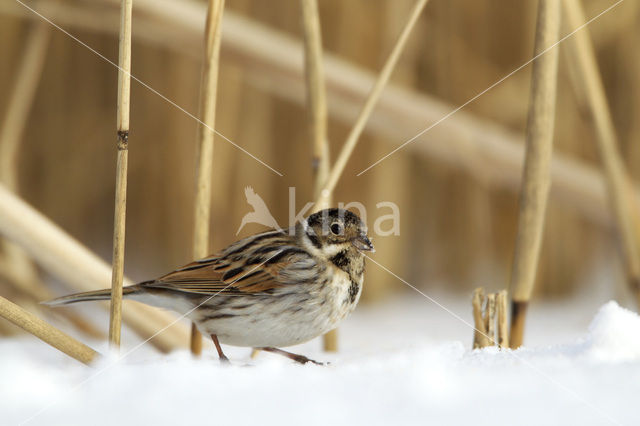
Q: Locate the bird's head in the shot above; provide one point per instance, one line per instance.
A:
(334, 230)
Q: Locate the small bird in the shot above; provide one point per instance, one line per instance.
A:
(270, 290)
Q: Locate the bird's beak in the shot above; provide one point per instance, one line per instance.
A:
(363, 243)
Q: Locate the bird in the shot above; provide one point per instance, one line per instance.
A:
(260, 213)
(268, 291)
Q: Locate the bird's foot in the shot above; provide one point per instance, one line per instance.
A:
(301, 359)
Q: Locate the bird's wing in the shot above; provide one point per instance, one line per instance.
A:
(259, 270)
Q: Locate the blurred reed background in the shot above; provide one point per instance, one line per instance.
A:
(458, 209)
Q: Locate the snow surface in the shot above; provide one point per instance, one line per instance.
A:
(397, 365)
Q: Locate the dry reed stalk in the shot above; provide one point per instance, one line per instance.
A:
(323, 195)
(70, 262)
(317, 106)
(381, 186)
(46, 332)
(372, 99)
(226, 168)
(585, 66)
(316, 96)
(536, 174)
(204, 155)
(269, 60)
(480, 332)
(503, 327)
(124, 95)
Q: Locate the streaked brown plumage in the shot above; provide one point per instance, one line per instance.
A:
(273, 289)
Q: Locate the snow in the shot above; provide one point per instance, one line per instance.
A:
(613, 335)
(400, 363)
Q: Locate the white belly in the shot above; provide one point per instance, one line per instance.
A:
(284, 318)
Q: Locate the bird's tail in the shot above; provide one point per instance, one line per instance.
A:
(87, 296)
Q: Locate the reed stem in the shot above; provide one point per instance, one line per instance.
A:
(536, 175)
(265, 54)
(316, 95)
(372, 99)
(124, 94)
(618, 183)
(323, 193)
(46, 332)
(317, 106)
(204, 155)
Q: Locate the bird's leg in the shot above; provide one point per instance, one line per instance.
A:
(297, 358)
(221, 355)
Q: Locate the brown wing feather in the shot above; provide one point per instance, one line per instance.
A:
(229, 275)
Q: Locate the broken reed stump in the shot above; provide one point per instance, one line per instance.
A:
(46, 332)
(490, 319)
(501, 311)
(479, 331)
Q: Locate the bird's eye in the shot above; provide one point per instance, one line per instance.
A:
(336, 228)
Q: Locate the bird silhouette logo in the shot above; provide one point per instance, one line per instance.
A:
(260, 213)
